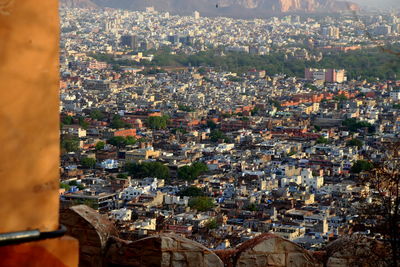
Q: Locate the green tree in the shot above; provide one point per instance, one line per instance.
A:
(118, 123)
(192, 172)
(70, 143)
(212, 125)
(96, 114)
(355, 142)
(186, 108)
(191, 191)
(122, 176)
(216, 135)
(157, 122)
(322, 140)
(68, 120)
(340, 98)
(361, 166)
(65, 186)
(252, 207)
(100, 145)
(212, 224)
(255, 111)
(354, 125)
(118, 141)
(130, 140)
(201, 203)
(88, 163)
(147, 169)
(84, 124)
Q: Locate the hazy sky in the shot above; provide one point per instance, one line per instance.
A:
(378, 3)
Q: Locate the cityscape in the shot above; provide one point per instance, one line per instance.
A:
(225, 131)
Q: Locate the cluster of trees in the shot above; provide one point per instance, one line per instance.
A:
(157, 122)
(366, 64)
(147, 169)
(201, 203)
(97, 114)
(118, 123)
(355, 142)
(100, 145)
(212, 224)
(361, 166)
(322, 140)
(69, 143)
(152, 71)
(69, 120)
(354, 125)
(252, 207)
(120, 141)
(191, 191)
(186, 108)
(212, 125)
(191, 172)
(340, 98)
(88, 163)
(216, 135)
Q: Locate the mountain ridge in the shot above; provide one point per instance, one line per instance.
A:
(232, 8)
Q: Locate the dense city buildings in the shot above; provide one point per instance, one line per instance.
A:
(174, 124)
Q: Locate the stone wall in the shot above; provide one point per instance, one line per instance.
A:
(161, 250)
(101, 246)
(357, 250)
(92, 230)
(271, 250)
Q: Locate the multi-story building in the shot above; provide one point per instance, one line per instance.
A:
(326, 75)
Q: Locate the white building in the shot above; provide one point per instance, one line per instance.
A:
(311, 181)
(305, 178)
(134, 191)
(109, 164)
(176, 200)
(395, 95)
(224, 147)
(196, 15)
(121, 215)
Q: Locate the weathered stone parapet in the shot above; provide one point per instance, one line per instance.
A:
(91, 229)
(101, 246)
(271, 250)
(357, 250)
(164, 250)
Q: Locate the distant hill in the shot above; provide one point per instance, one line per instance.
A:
(79, 3)
(231, 8)
(379, 4)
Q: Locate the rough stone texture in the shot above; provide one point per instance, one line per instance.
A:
(271, 250)
(100, 246)
(56, 252)
(161, 250)
(357, 250)
(91, 229)
(29, 115)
